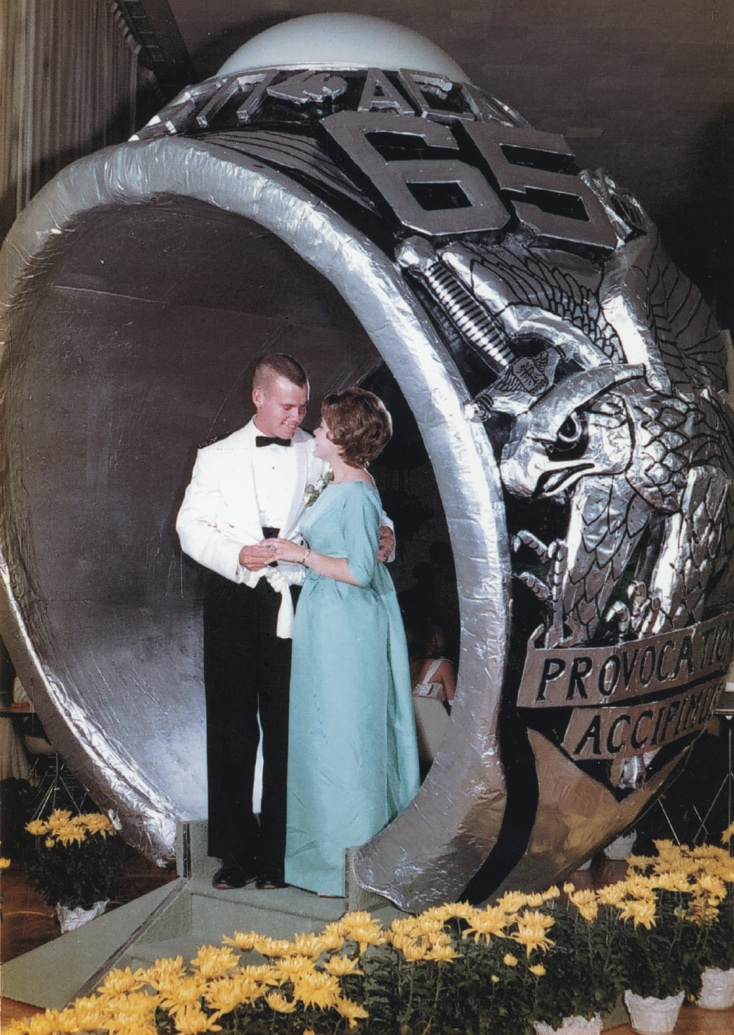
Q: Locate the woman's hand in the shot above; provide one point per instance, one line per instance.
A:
(285, 550)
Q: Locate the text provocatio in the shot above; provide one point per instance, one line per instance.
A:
(635, 696)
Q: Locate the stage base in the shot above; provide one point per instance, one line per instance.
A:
(174, 920)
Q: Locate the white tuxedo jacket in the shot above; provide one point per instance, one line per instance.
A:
(219, 514)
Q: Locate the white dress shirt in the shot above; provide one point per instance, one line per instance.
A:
(221, 511)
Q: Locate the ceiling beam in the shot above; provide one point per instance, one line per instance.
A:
(163, 50)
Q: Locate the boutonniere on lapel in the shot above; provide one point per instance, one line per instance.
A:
(313, 491)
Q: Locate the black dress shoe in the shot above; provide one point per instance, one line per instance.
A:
(230, 875)
(264, 883)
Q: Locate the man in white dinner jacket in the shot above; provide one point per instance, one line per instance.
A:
(245, 488)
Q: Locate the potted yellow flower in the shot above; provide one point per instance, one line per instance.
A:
(467, 969)
(583, 980)
(75, 863)
(657, 936)
(714, 909)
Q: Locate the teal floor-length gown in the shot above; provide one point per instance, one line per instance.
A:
(352, 756)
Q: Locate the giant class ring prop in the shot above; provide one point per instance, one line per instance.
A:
(567, 380)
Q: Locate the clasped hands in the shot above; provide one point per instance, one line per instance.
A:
(268, 550)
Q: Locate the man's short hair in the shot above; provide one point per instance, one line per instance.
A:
(278, 364)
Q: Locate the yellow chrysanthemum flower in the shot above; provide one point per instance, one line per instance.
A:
(357, 916)
(531, 931)
(351, 1011)
(485, 923)
(90, 1013)
(538, 969)
(641, 912)
(728, 834)
(439, 915)
(362, 927)
(187, 991)
(98, 823)
(37, 827)
(460, 910)
(214, 961)
(532, 940)
(316, 989)
(638, 886)
(71, 835)
(58, 816)
(537, 898)
(4, 863)
(707, 853)
(402, 926)
(63, 1021)
(585, 902)
(413, 951)
(272, 947)
(427, 927)
(40, 1024)
(134, 1012)
(511, 902)
(193, 1021)
(669, 880)
(120, 982)
(442, 953)
(340, 966)
(611, 894)
(223, 995)
(535, 918)
(332, 941)
(279, 1003)
(243, 942)
(163, 972)
(509, 960)
(702, 912)
(713, 885)
(308, 945)
(289, 967)
(261, 972)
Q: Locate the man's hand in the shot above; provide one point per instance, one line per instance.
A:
(255, 557)
(387, 543)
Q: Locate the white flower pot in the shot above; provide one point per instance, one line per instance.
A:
(572, 1026)
(651, 1016)
(622, 846)
(717, 989)
(70, 919)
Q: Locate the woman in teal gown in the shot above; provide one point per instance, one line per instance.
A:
(352, 757)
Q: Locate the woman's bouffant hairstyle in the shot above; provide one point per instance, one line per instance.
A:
(359, 424)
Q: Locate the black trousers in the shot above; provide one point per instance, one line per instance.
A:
(246, 671)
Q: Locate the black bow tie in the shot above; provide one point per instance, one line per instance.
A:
(264, 440)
